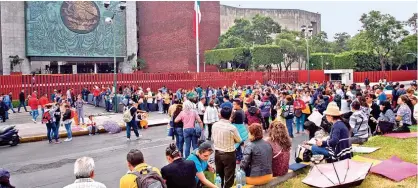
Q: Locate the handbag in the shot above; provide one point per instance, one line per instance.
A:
(170, 131)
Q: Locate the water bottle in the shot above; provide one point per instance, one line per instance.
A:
(239, 179)
(243, 177)
(218, 181)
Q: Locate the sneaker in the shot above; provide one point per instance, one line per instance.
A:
(138, 137)
(50, 142)
(128, 139)
(34, 120)
(68, 139)
(90, 135)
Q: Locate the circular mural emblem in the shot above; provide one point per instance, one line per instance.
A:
(80, 16)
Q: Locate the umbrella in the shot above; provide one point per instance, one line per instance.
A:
(345, 173)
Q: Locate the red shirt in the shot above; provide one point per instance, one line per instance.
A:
(96, 92)
(43, 101)
(299, 104)
(33, 103)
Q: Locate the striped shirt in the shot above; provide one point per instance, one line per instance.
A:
(225, 135)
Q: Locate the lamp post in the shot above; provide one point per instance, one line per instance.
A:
(111, 20)
(307, 32)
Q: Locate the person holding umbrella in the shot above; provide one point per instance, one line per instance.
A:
(337, 146)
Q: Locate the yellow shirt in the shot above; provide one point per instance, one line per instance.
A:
(166, 98)
(128, 180)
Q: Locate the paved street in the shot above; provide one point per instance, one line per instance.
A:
(28, 128)
(40, 164)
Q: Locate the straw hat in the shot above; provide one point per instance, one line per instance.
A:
(333, 110)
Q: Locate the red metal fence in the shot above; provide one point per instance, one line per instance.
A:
(374, 76)
(47, 83)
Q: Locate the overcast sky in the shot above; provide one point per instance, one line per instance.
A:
(337, 16)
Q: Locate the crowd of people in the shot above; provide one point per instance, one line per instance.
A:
(251, 127)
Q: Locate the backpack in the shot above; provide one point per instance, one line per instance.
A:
(127, 116)
(46, 118)
(150, 179)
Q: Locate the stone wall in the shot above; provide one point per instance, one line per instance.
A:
(131, 37)
(291, 19)
(166, 39)
(12, 21)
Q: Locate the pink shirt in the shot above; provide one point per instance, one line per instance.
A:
(188, 119)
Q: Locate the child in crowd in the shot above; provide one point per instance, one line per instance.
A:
(91, 126)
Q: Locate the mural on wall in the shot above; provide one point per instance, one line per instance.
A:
(73, 29)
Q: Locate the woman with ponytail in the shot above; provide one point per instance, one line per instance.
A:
(179, 172)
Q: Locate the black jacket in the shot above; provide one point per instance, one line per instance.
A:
(22, 97)
(67, 115)
(180, 174)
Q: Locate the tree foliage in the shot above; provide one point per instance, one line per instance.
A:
(324, 61)
(267, 55)
(405, 52)
(245, 33)
(382, 31)
(238, 57)
(291, 48)
(341, 42)
(412, 22)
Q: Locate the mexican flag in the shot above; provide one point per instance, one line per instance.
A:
(198, 16)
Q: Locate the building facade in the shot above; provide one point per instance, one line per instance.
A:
(72, 36)
(291, 19)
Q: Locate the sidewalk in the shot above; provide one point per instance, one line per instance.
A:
(31, 132)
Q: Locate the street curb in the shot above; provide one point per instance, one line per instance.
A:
(77, 133)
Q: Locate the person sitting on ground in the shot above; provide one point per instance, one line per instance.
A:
(179, 172)
(386, 120)
(281, 144)
(5, 179)
(200, 158)
(91, 126)
(258, 154)
(337, 146)
(403, 115)
(84, 174)
(136, 164)
(359, 125)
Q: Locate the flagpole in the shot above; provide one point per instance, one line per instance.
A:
(197, 37)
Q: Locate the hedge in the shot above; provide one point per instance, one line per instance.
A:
(215, 57)
(266, 55)
(316, 60)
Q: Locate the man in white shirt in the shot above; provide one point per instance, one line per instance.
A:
(201, 107)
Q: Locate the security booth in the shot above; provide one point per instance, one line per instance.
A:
(345, 76)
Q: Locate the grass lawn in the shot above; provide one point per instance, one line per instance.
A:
(406, 149)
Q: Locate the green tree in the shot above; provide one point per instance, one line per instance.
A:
(382, 30)
(245, 33)
(320, 43)
(341, 42)
(405, 52)
(412, 22)
(292, 48)
(359, 42)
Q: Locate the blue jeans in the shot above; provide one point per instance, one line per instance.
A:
(160, 106)
(69, 131)
(51, 127)
(107, 103)
(56, 132)
(299, 123)
(134, 125)
(190, 139)
(289, 125)
(80, 112)
(178, 133)
(10, 105)
(35, 114)
(316, 150)
(21, 103)
(42, 112)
